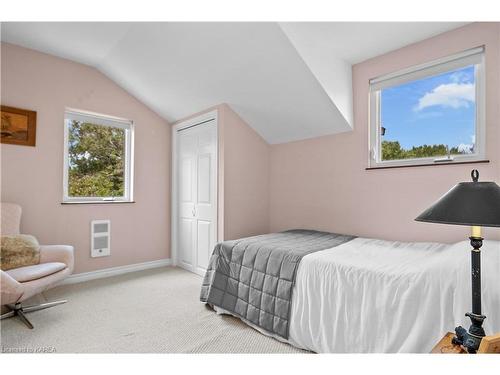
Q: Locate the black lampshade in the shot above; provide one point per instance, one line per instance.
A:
(468, 203)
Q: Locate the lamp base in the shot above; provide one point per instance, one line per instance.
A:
(472, 339)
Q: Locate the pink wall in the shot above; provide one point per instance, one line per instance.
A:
(246, 178)
(243, 176)
(32, 176)
(322, 183)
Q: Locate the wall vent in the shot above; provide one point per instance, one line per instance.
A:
(100, 238)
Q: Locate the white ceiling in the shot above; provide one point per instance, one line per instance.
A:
(355, 42)
(288, 81)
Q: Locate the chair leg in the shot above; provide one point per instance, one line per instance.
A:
(19, 310)
(42, 306)
(8, 314)
(23, 318)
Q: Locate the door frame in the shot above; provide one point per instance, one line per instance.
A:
(195, 121)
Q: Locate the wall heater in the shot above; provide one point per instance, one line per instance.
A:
(100, 238)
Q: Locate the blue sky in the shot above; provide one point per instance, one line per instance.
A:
(434, 110)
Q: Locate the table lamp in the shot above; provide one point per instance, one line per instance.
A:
(476, 204)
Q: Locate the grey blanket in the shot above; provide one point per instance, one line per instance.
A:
(253, 277)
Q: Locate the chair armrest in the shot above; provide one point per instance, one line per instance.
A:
(10, 289)
(58, 253)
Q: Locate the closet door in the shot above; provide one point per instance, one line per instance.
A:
(205, 206)
(196, 178)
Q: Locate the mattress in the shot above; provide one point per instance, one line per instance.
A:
(375, 296)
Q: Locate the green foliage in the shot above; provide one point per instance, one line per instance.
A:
(96, 160)
(391, 150)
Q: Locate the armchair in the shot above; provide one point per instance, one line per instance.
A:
(19, 284)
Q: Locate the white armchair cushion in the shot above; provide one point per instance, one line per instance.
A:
(30, 273)
(58, 253)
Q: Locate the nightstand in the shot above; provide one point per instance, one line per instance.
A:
(489, 344)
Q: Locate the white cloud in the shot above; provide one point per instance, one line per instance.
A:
(461, 77)
(465, 149)
(454, 95)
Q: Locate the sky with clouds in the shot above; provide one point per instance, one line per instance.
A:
(433, 110)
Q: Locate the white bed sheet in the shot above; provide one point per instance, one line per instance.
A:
(379, 296)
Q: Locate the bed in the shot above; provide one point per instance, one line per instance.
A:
(358, 295)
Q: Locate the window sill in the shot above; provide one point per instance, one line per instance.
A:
(97, 202)
(427, 164)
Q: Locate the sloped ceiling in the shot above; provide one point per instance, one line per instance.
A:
(288, 81)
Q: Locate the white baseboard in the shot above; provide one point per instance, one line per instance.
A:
(108, 272)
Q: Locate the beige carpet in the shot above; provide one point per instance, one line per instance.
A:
(143, 312)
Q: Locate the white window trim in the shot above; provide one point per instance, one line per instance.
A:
(473, 56)
(104, 120)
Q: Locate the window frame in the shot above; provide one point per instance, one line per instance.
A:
(101, 120)
(474, 56)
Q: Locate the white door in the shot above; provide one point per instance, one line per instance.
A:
(197, 215)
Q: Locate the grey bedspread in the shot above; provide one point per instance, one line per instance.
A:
(253, 277)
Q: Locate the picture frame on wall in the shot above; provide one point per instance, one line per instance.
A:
(18, 126)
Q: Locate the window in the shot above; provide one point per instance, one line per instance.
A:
(98, 158)
(429, 114)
